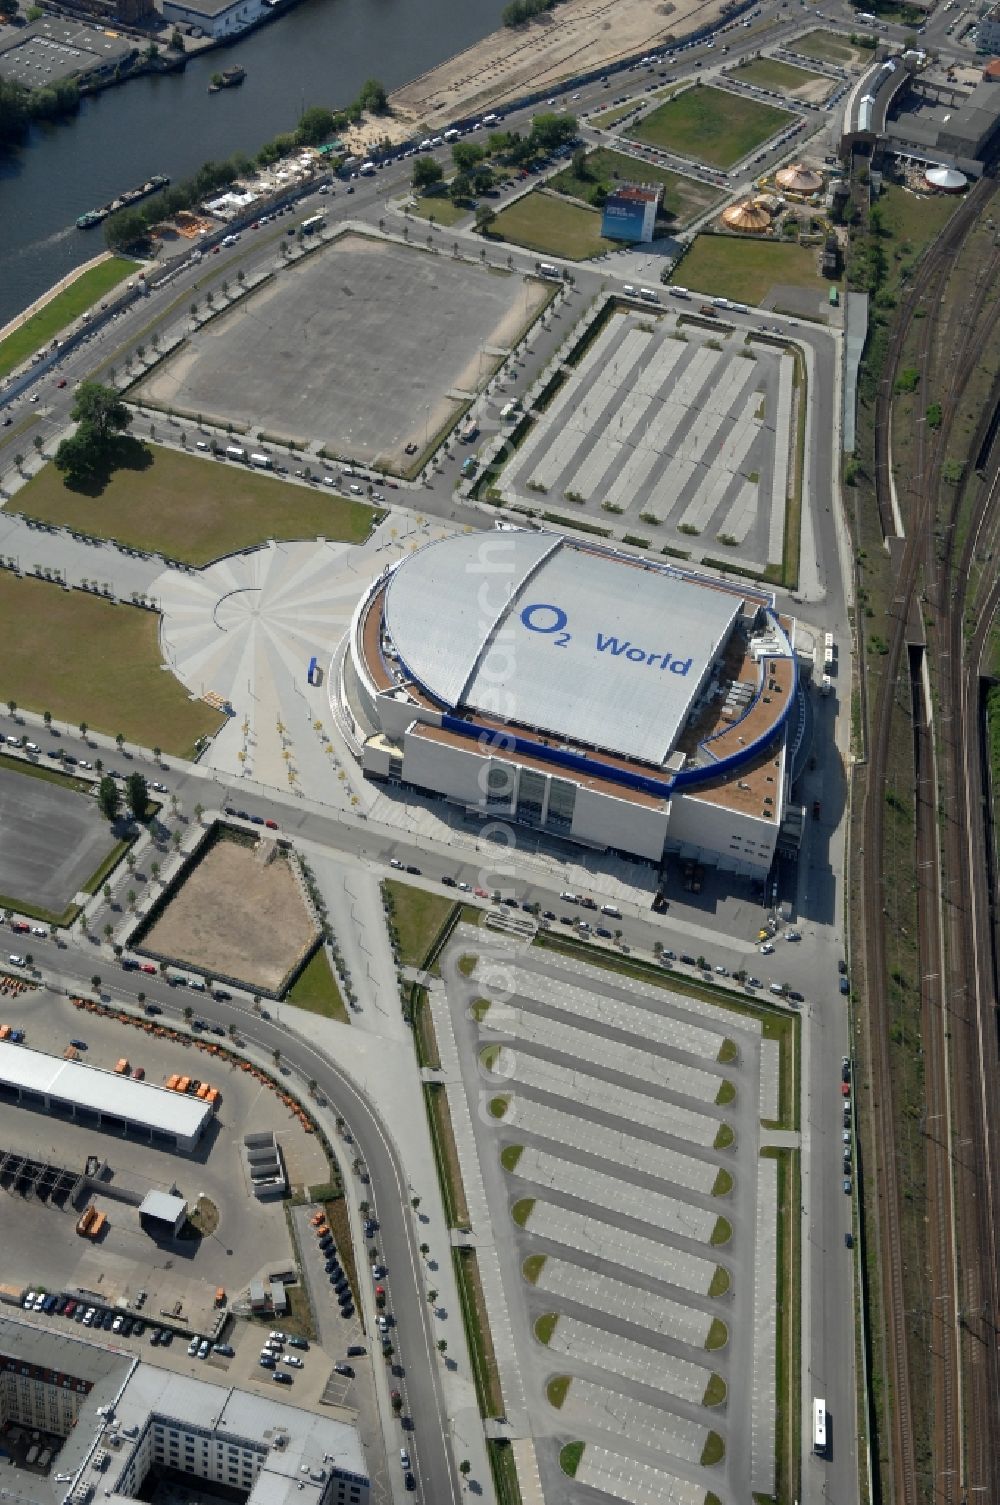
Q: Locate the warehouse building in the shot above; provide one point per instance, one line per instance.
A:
(619, 702)
(101, 1099)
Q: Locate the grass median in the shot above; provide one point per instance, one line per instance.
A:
(41, 328)
(194, 509)
(553, 226)
(315, 989)
(87, 659)
(446, 1155)
(485, 1370)
(418, 918)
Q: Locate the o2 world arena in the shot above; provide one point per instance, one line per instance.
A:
(614, 701)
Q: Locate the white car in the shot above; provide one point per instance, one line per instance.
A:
(290, 1358)
(203, 1348)
(32, 746)
(38, 1302)
(17, 961)
(85, 764)
(395, 862)
(118, 1324)
(465, 887)
(383, 1324)
(792, 935)
(39, 930)
(88, 1316)
(160, 788)
(766, 948)
(193, 1346)
(29, 1301)
(276, 1337)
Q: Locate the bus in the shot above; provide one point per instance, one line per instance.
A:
(819, 1427)
(314, 222)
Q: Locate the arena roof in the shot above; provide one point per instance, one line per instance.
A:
(558, 636)
(102, 1091)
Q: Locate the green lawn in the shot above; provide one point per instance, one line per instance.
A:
(85, 659)
(195, 509)
(709, 125)
(43, 326)
(315, 989)
(831, 47)
(439, 207)
(727, 266)
(769, 73)
(550, 225)
(683, 198)
(418, 917)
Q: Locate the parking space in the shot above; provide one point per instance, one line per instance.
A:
(600, 1409)
(627, 1117)
(677, 428)
(55, 838)
(626, 1479)
(623, 1301)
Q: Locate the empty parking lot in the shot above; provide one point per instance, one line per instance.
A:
(364, 345)
(54, 838)
(620, 1150)
(678, 430)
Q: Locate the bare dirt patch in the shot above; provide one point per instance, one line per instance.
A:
(238, 914)
(576, 37)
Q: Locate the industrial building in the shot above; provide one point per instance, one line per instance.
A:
(893, 107)
(218, 18)
(117, 1426)
(621, 703)
(101, 1099)
(630, 212)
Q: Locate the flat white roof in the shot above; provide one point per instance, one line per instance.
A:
(561, 637)
(103, 1091)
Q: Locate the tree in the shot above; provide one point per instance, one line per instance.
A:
(465, 155)
(95, 982)
(100, 410)
(483, 179)
(47, 718)
(156, 753)
(465, 1468)
(140, 998)
(106, 891)
(550, 131)
(432, 1296)
(137, 794)
(199, 811)
(119, 740)
(126, 228)
(484, 219)
(373, 97)
(12, 707)
(83, 729)
(108, 798)
(276, 1056)
(442, 1345)
(425, 1249)
(426, 172)
(130, 898)
(109, 931)
(414, 1203)
(154, 868)
(315, 126)
(188, 1012)
(579, 161)
(130, 861)
(460, 187)
(77, 458)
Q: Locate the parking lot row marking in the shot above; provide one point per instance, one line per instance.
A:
(632, 1420)
(637, 1483)
(629, 1359)
(594, 1050)
(725, 1019)
(632, 1251)
(627, 1303)
(527, 1115)
(632, 1018)
(587, 1091)
(615, 1197)
(765, 1294)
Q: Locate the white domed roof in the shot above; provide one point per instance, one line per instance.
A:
(946, 177)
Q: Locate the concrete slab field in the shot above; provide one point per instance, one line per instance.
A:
(54, 838)
(364, 345)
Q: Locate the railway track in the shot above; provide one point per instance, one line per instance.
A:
(957, 357)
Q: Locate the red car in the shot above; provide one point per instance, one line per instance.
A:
(845, 1089)
(61, 382)
(20, 927)
(481, 893)
(272, 825)
(148, 967)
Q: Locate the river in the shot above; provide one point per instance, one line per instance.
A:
(320, 52)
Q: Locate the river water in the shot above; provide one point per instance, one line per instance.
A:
(320, 52)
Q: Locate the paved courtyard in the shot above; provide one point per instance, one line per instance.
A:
(631, 1213)
(365, 346)
(677, 431)
(54, 839)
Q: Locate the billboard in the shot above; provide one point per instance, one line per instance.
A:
(625, 219)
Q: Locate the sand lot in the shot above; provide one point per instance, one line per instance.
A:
(577, 36)
(236, 915)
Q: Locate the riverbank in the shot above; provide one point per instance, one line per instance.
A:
(578, 37)
(57, 308)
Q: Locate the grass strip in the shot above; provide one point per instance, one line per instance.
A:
(418, 918)
(569, 1458)
(729, 1052)
(545, 1326)
(721, 1282)
(423, 1029)
(522, 1210)
(41, 328)
(722, 1232)
(557, 1389)
(715, 1393)
(788, 1317)
(723, 1183)
(726, 1093)
(714, 1450)
(446, 1155)
(718, 1335)
(315, 990)
(485, 1371)
(49, 775)
(533, 1267)
(504, 1471)
(724, 1137)
(510, 1155)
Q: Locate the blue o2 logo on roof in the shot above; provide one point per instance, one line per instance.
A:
(543, 617)
(551, 621)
